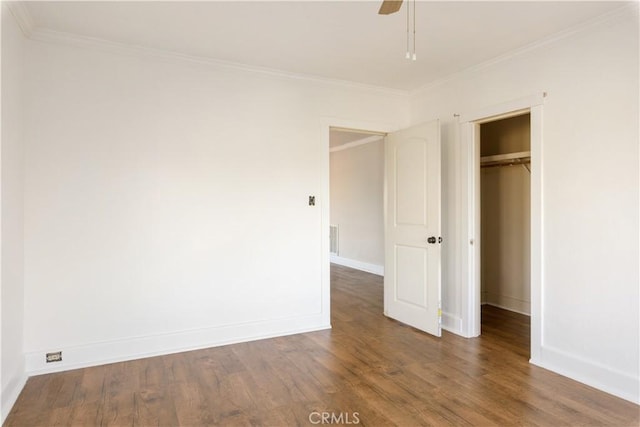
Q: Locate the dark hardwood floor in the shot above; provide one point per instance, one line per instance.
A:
(368, 370)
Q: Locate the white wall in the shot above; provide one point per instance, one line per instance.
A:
(505, 238)
(166, 202)
(590, 292)
(357, 189)
(12, 371)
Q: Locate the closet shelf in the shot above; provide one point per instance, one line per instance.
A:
(518, 158)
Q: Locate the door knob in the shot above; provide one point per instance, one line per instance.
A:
(431, 240)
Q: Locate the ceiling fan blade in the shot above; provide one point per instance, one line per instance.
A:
(390, 6)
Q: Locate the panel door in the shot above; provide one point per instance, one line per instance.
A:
(412, 227)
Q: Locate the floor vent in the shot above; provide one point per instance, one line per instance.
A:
(333, 239)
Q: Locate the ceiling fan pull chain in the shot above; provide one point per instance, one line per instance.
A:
(414, 29)
(408, 56)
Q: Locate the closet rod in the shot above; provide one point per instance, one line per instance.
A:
(511, 162)
(509, 159)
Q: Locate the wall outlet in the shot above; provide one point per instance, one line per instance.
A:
(54, 357)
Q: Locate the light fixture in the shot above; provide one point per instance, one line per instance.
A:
(392, 6)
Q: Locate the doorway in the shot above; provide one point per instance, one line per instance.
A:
(407, 211)
(409, 189)
(356, 199)
(327, 126)
(505, 208)
(470, 224)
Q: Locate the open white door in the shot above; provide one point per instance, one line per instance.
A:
(412, 227)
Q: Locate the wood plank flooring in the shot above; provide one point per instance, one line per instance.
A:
(367, 370)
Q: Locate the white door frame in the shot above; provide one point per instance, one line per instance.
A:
(326, 124)
(469, 254)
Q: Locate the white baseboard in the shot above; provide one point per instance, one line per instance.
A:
(10, 394)
(101, 353)
(358, 265)
(451, 323)
(508, 303)
(593, 374)
(507, 308)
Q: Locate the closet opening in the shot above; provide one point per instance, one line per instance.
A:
(505, 226)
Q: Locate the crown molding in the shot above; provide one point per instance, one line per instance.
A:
(57, 37)
(24, 19)
(356, 143)
(22, 16)
(630, 7)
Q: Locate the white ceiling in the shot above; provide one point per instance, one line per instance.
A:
(345, 40)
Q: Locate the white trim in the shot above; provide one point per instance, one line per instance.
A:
(622, 11)
(475, 273)
(537, 230)
(26, 23)
(470, 211)
(10, 394)
(58, 37)
(504, 307)
(451, 323)
(357, 143)
(22, 16)
(17, 380)
(358, 265)
(588, 372)
(101, 353)
(326, 124)
(469, 239)
(504, 110)
(325, 220)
